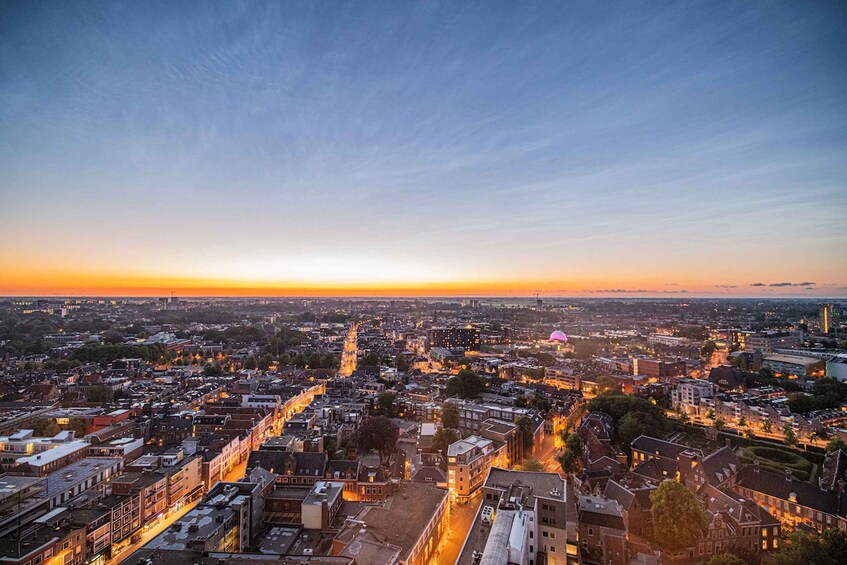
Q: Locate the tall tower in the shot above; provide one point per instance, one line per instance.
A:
(826, 317)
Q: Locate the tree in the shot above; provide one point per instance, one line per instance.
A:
(265, 361)
(443, 439)
(710, 414)
(646, 417)
(766, 426)
(719, 424)
(330, 446)
(708, 349)
(525, 428)
(835, 444)
(380, 434)
(569, 462)
(678, 520)
(386, 404)
(212, 371)
(450, 415)
(403, 364)
(630, 427)
(45, 428)
(101, 394)
(725, 559)
(742, 422)
(570, 458)
(533, 465)
(370, 360)
(79, 427)
(606, 383)
(466, 384)
(250, 363)
(790, 436)
(804, 549)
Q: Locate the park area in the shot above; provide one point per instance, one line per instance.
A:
(778, 460)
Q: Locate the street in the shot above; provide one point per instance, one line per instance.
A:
(461, 520)
(547, 454)
(349, 357)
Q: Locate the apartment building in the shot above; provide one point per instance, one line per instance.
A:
(468, 461)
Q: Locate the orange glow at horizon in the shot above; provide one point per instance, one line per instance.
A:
(43, 283)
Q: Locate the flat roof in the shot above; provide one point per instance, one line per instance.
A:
(54, 453)
(75, 473)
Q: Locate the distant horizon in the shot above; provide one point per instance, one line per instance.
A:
(586, 296)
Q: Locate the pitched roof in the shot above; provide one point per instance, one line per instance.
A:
(778, 486)
(662, 448)
(719, 466)
(657, 469)
(301, 464)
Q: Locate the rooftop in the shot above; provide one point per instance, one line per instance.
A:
(78, 472)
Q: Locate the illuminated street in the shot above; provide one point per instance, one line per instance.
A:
(349, 357)
(461, 519)
(547, 454)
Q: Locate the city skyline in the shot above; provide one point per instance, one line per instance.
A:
(382, 150)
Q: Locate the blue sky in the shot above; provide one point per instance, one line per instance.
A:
(566, 146)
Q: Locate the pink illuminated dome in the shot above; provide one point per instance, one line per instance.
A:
(558, 336)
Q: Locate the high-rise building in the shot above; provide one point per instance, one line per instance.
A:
(453, 338)
(826, 317)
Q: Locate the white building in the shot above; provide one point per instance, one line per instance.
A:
(688, 393)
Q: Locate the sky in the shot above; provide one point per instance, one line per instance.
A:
(376, 148)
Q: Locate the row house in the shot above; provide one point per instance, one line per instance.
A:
(220, 454)
(794, 502)
(125, 517)
(151, 489)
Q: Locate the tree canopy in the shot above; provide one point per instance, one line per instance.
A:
(633, 415)
(678, 520)
(466, 384)
(450, 415)
(533, 465)
(101, 394)
(380, 434)
(835, 444)
(45, 428)
(725, 559)
(828, 549)
(385, 404)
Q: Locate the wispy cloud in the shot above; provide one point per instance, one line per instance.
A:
(781, 284)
